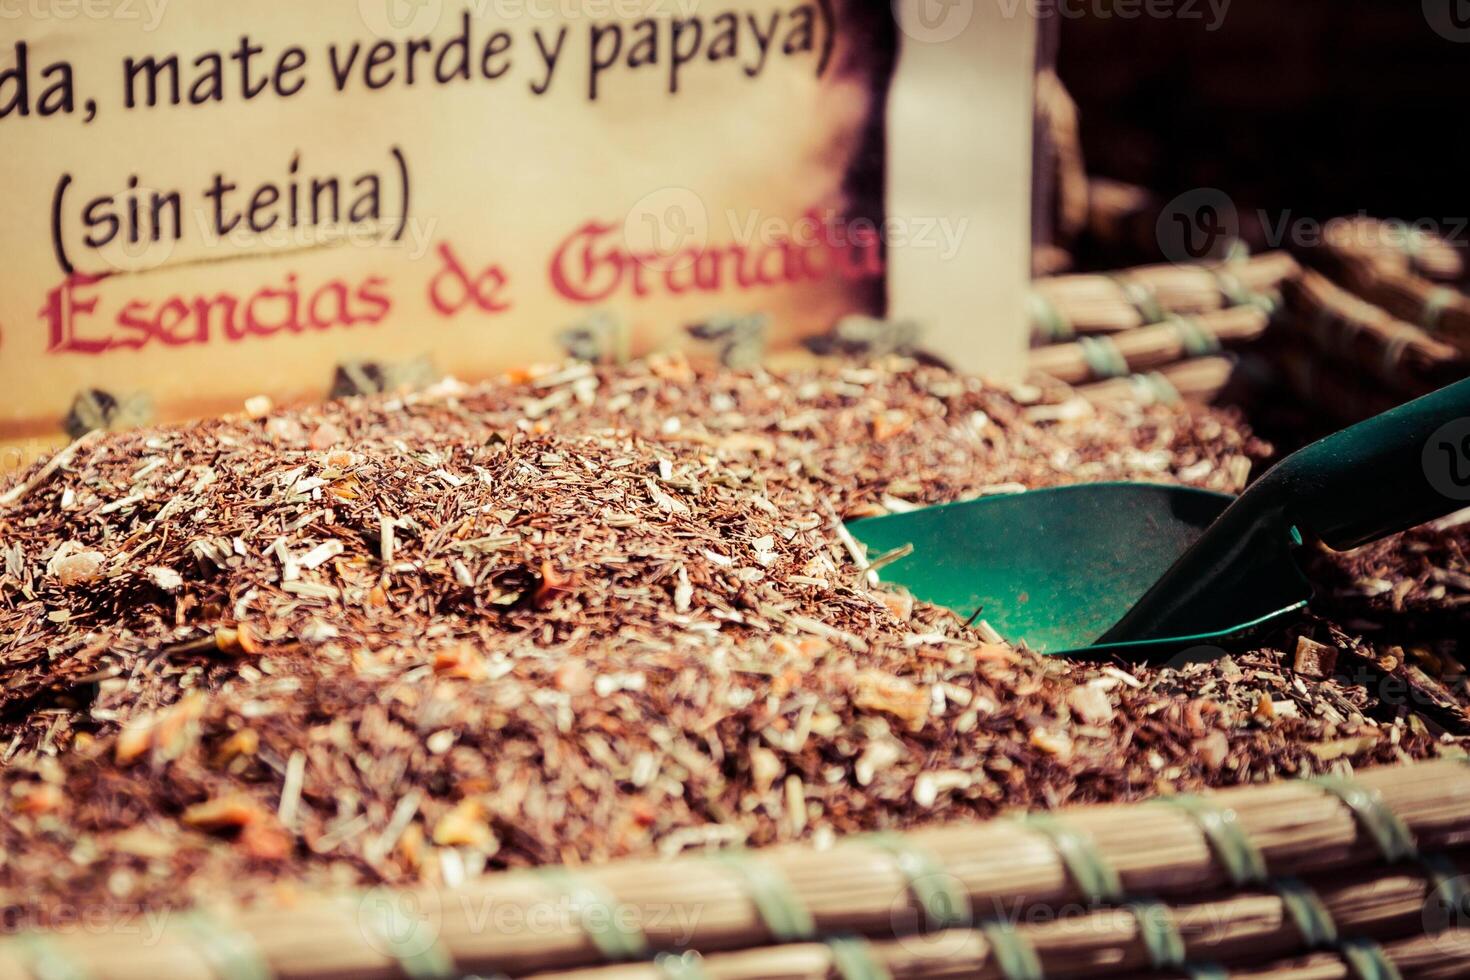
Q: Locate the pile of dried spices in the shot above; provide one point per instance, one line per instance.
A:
(588, 613)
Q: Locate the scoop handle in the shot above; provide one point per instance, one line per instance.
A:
(1402, 468)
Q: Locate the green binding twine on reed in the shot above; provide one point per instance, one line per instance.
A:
(688, 966)
(1141, 298)
(1448, 897)
(1089, 870)
(1154, 388)
(1049, 323)
(854, 958)
(780, 911)
(1204, 971)
(946, 905)
(1228, 841)
(1394, 839)
(598, 912)
(1160, 934)
(1012, 952)
(419, 956)
(1197, 341)
(1368, 961)
(1308, 912)
(1393, 354)
(1434, 306)
(1103, 358)
(1268, 302)
(1235, 292)
(232, 953)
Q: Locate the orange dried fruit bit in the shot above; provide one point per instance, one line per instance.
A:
(411, 846)
(348, 489)
(37, 799)
(243, 743)
(171, 731)
(377, 597)
(466, 826)
(1056, 744)
(553, 582)
(877, 691)
(237, 639)
(572, 677)
(671, 366)
(785, 682)
(899, 604)
(813, 647)
(233, 812)
(176, 727)
(460, 661)
(265, 840)
(995, 653)
(134, 740)
(326, 436)
(890, 424)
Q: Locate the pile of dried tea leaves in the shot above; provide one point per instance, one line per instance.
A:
(588, 613)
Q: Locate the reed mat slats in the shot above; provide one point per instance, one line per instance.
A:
(1367, 339)
(528, 923)
(1146, 348)
(1079, 305)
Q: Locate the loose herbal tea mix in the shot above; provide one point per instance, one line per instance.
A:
(204, 202)
(595, 612)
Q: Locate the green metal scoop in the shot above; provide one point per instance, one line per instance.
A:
(1145, 570)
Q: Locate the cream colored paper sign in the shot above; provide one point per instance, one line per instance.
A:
(205, 200)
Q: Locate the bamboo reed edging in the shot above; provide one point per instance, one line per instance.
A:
(1239, 930)
(1068, 306)
(1198, 379)
(1369, 339)
(1146, 348)
(1393, 247)
(1442, 957)
(859, 887)
(1442, 310)
(1445, 956)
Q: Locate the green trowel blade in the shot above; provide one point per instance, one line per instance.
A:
(1054, 568)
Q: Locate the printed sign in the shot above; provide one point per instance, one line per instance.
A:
(204, 201)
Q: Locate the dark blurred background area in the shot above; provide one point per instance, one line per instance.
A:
(1318, 108)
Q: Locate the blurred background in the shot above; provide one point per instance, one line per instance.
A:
(1305, 158)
